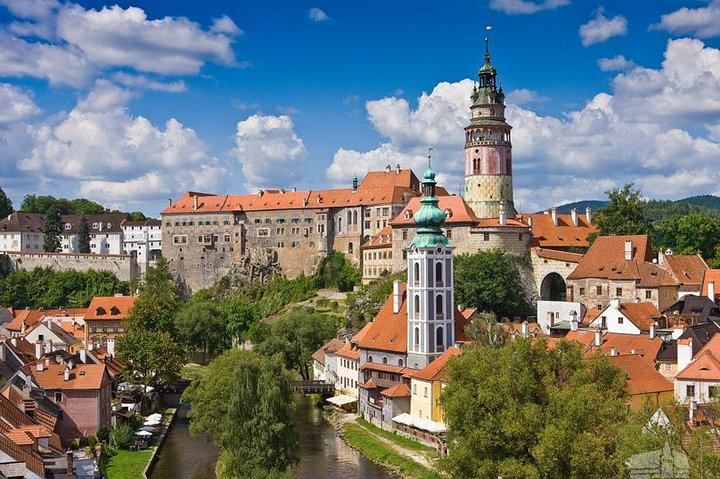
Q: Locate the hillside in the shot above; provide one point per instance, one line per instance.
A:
(656, 209)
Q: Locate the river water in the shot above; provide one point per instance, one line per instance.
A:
(323, 455)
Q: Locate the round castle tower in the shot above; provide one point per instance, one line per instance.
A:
(488, 150)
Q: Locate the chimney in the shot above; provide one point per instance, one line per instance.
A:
(195, 202)
(628, 250)
(588, 215)
(684, 353)
(574, 324)
(397, 296)
(530, 221)
(39, 366)
(613, 352)
(38, 349)
(49, 346)
(397, 169)
(711, 291)
(83, 356)
(169, 202)
(66, 374)
(573, 214)
(111, 347)
(502, 214)
(633, 351)
(615, 303)
(388, 168)
(70, 465)
(355, 183)
(525, 329)
(598, 338)
(70, 364)
(553, 213)
(652, 330)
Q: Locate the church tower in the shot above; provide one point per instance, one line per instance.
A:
(430, 302)
(488, 151)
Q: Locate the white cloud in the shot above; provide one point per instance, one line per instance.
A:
(602, 28)
(15, 104)
(145, 83)
(270, 152)
(38, 16)
(703, 22)
(226, 25)
(126, 37)
(643, 131)
(116, 156)
(520, 7)
(523, 96)
(317, 15)
(616, 63)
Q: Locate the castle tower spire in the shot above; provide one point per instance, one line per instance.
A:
(488, 149)
(430, 305)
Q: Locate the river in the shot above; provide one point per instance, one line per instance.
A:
(323, 455)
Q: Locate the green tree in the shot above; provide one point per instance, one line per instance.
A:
(244, 403)
(526, 411)
(47, 203)
(623, 215)
(484, 330)
(52, 229)
(240, 316)
(6, 206)
(83, 235)
(152, 357)
(336, 271)
(364, 304)
(202, 327)
(489, 281)
(696, 233)
(137, 216)
(295, 336)
(158, 303)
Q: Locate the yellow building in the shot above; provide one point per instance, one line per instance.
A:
(426, 386)
(644, 384)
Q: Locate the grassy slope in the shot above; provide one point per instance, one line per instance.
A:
(128, 464)
(396, 438)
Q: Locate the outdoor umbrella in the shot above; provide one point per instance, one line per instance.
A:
(143, 433)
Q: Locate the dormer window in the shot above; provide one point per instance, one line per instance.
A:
(96, 226)
(100, 311)
(114, 311)
(408, 214)
(68, 226)
(448, 213)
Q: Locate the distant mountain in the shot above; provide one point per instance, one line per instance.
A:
(710, 202)
(581, 205)
(655, 209)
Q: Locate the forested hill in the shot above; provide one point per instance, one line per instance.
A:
(656, 210)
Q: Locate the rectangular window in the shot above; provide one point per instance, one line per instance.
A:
(58, 397)
(263, 232)
(618, 291)
(599, 290)
(582, 291)
(690, 390)
(425, 392)
(648, 294)
(620, 320)
(486, 236)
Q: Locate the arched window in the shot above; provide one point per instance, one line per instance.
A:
(370, 359)
(439, 337)
(416, 305)
(438, 273)
(416, 339)
(400, 362)
(416, 272)
(439, 310)
(354, 215)
(339, 224)
(384, 360)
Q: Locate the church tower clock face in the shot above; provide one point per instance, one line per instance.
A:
(488, 148)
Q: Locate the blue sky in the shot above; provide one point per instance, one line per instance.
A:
(133, 103)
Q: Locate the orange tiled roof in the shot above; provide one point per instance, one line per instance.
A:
(350, 349)
(711, 275)
(82, 376)
(434, 370)
(705, 367)
(370, 384)
(590, 316)
(459, 211)
(563, 235)
(557, 255)
(642, 377)
(516, 328)
(386, 368)
(381, 239)
(109, 307)
(687, 269)
(467, 313)
(388, 331)
(330, 347)
(606, 260)
(400, 390)
(641, 314)
(33, 316)
(626, 343)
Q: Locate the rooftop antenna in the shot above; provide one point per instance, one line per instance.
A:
(430, 157)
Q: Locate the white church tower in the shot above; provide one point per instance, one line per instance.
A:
(430, 302)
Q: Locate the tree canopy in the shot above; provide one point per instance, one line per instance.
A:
(489, 281)
(6, 206)
(526, 411)
(159, 301)
(623, 215)
(365, 303)
(201, 326)
(83, 235)
(46, 204)
(245, 404)
(336, 271)
(52, 230)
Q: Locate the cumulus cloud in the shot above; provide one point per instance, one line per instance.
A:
(521, 7)
(116, 156)
(15, 104)
(317, 15)
(38, 16)
(116, 36)
(145, 83)
(616, 63)
(270, 152)
(602, 28)
(225, 25)
(643, 131)
(523, 96)
(702, 22)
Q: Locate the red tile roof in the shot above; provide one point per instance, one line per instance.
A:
(400, 390)
(388, 331)
(350, 349)
(642, 377)
(686, 269)
(563, 235)
(33, 316)
(711, 275)
(459, 212)
(330, 347)
(643, 315)
(705, 367)
(370, 384)
(557, 255)
(382, 239)
(590, 316)
(82, 376)
(385, 368)
(109, 308)
(627, 343)
(435, 370)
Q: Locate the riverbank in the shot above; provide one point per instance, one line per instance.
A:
(403, 456)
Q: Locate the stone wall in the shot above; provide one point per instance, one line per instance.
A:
(125, 267)
(542, 267)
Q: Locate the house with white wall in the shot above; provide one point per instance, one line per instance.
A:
(627, 318)
(699, 377)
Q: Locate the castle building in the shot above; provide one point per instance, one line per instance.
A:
(488, 150)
